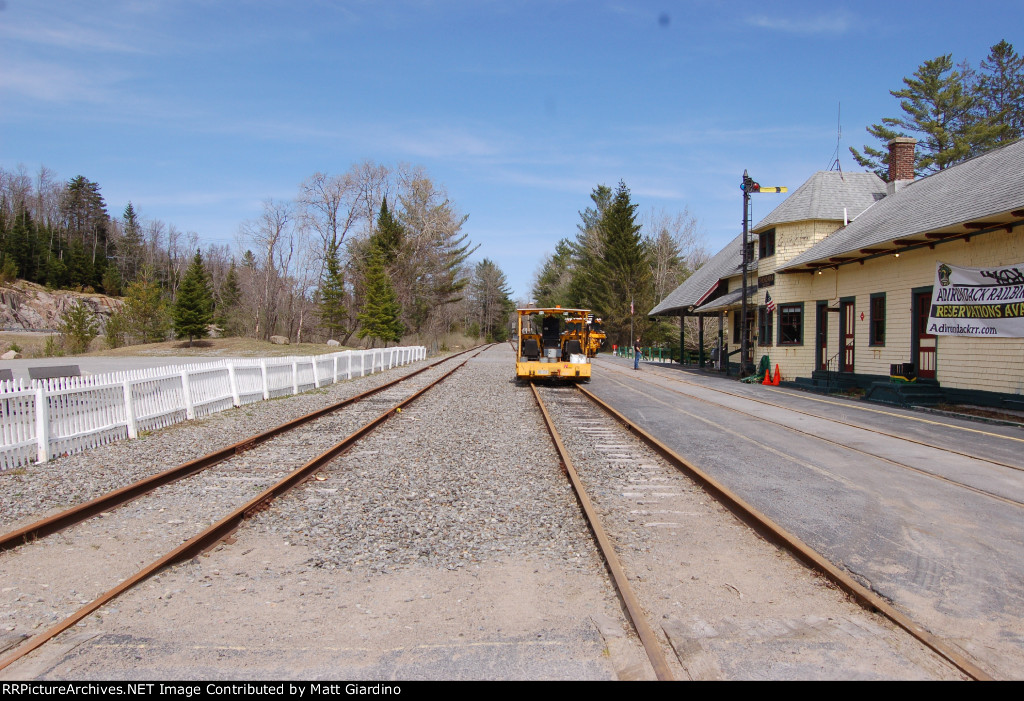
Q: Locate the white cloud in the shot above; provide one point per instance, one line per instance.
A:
(838, 22)
(55, 82)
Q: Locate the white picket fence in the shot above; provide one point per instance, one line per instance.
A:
(46, 418)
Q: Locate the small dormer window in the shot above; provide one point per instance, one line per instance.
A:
(766, 243)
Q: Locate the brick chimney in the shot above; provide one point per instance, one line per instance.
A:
(901, 162)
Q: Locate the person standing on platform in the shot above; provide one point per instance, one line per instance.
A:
(636, 355)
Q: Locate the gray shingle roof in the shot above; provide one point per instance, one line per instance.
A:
(730, 299)
(981, 187)
(825, 196)
(725, 263)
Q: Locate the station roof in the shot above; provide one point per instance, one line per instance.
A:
(728, 300)
(825, 196)
(696, 288)
(986, 191)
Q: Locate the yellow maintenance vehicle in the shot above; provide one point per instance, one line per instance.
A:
(551, 344)
(595, 336)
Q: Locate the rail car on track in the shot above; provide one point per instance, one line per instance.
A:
(552, 344)
(596, 336)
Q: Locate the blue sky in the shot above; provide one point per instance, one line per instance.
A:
(199, 110)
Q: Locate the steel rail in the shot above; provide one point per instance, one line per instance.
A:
(920, 471)
(636, 615)
(226, 526)
(769, 528)
(110, 500)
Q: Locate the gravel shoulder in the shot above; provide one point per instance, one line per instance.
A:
(445, 546)
(448, 545)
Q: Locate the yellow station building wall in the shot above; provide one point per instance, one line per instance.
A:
(995, 365)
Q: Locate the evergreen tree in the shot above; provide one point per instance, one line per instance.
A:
(551, 286)
(78, 327)
(389, 237)
(941, 110)
(588, 252)
(1000, 89)
(130, 247)
(230, 298)
(489, 293)
(143, 318)
(193, 309)
(333, 297)
(622, 277)
(87, 224)
(380, 317)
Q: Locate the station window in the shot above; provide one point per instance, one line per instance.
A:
(764, 326)
(791, 324)
(877, 328)
(766, 243)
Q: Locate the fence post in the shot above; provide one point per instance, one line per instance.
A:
(186, 392)
(266, 386)
(295, 377)
(334, 375)
(233, 381)
(42, 423)
(362, 363)
(316, 374)
(129, 411)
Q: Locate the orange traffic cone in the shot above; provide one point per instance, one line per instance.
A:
(778, 375)
(767, 377)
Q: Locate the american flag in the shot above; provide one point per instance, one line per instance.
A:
(769, 302)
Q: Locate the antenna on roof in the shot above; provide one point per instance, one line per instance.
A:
(835, 165)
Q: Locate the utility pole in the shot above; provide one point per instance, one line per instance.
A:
(748, 186)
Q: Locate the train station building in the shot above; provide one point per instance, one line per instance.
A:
(853, 281)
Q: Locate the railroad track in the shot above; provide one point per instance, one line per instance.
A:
(215, 490)
(767, 526)
(637, 617)
(657, 498)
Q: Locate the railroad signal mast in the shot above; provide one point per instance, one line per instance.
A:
(748, 185)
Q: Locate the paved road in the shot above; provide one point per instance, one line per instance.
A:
(887, 509)
(97, 365)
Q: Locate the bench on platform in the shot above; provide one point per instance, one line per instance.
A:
(50, 371)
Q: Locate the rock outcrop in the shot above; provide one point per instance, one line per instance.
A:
(25, 306)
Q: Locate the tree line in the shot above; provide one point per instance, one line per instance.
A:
(620, 266)
(376, 253)
(954, 111)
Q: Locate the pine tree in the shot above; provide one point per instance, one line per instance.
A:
(551, 286)
(230, 298)
(489, 294)
(78, 327)
(193, 309)
(380, 317)
(131, 244)
(87, 223)
(588, 252)
(1000, 89)
(941, 111)
(389, 237)
(622, 277)
(143, 318)
(333, 297)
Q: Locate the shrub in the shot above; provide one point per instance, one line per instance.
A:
(78, 327)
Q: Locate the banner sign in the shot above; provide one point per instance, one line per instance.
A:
(979, 302)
